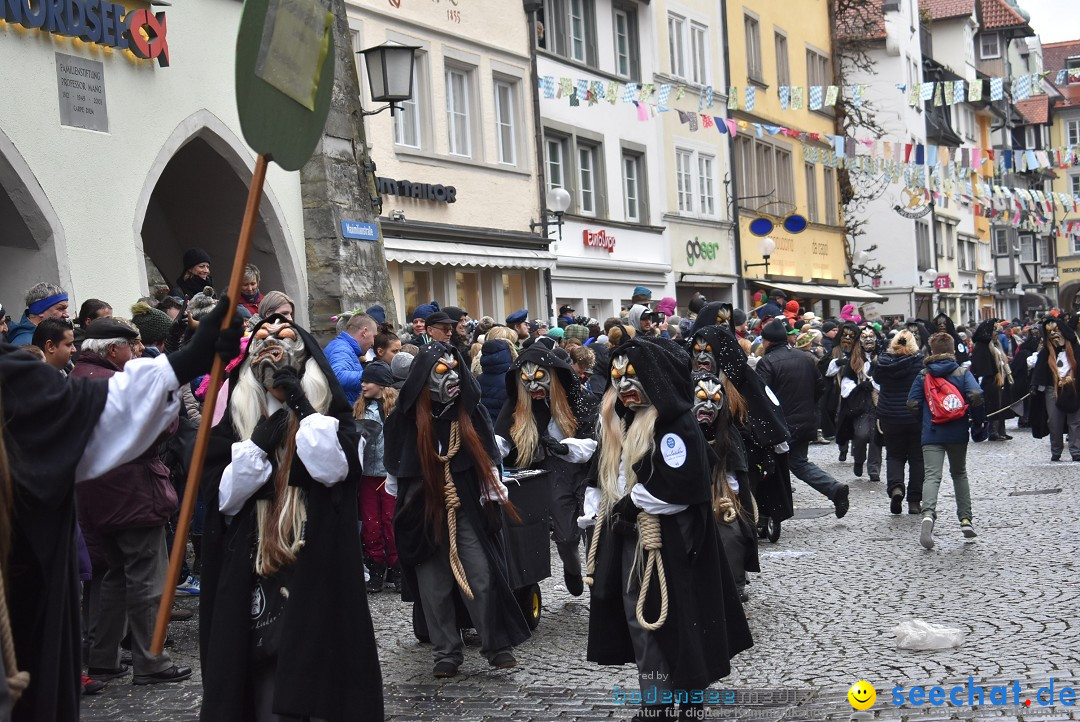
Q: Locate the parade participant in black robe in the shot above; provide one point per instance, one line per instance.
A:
(990, 366)
(850, 391)
(1055, 398)
(733, 502)
(942, 323)
(439, 430)
(1021, 373)
(651, 502)
(547, 423)
(714, 349)
(57, 432)
(284, 623)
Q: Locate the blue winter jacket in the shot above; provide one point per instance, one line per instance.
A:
(21, 333)
(495, 361)
(954, 432)
(344, 354)
(894, 373)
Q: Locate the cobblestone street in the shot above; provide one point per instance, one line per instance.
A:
(821, 612)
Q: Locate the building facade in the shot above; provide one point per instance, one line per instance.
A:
(456, 167)
(1065, 133)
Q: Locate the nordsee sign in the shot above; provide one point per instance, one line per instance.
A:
(94, 21)
(360, 231)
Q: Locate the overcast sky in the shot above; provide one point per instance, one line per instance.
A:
(1054, 20)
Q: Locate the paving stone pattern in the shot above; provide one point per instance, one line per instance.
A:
(821, 612)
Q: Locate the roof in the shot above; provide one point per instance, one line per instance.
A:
(999, 14)
(1036, 110)
(861, 22)
(1055, 57)
(944, 9)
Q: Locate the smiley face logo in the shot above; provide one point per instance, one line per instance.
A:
(862, 695)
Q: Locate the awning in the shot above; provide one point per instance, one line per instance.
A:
(437, 253)
(703, 279)
(813, 290)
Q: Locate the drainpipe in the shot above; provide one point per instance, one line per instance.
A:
(531, 8)
(733, 195)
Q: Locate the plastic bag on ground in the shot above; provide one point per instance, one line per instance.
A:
(917, 634)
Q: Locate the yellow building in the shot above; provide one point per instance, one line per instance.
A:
(775, 43)
(1065, 131)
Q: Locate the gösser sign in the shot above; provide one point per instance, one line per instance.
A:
(94, 21)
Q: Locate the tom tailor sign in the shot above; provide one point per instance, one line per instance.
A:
(94, 21)
(419, 191)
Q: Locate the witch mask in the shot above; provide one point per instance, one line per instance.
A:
(536, 380)
(626, 383)
(1053, 336)
(708, 402)
(703, 357)
(868, 339)
(847, 339)
(444, 382)
(275, 345)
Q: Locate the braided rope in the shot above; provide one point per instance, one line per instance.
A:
(452, 501)
(590, 558)
(725, 509)
(16, 681)
(651, 542)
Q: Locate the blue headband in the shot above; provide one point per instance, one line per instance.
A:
(39, 307)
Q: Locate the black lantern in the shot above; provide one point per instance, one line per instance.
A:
(390, 74)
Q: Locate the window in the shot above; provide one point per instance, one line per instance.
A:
(950, 241)
(457, 112)
(626, 42)
(676, 26)
(830, 197)
(1073, 64)
(1076, 245)
(706, 194)
(989, 47)
(785, 177)
(922, 246)
(568, 29)
(967, 122)
(1073, 132)
(513, 290)
(783, 71)
(810, 172)
(578, 38)
(1044, 251)
(555, 152)
(1001, 242)
(818, 71)
(417, 286)
(407, 121)
(468, 290)
(632, 175)
(699, 54)
(1074, 185)
(1028, 249)
(1029, 137)
(587, 185)
(505, 130)
(965, 254)
(753, 48)
(683, 180)
(744, 167)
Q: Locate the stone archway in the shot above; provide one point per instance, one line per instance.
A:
(194, 196)
(32, 242)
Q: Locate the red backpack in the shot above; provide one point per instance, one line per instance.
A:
(946, 402)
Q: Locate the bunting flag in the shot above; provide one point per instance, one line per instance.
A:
(975, 91)
(1060, 80)
(709, 97)
(913, 95)
(643, 113)
(938, 95)
(547, 83)
(665, 92)
(751, 97)
(997, 88)
(785, 96)
(582, 89)
(816, 95)
(1022, 88)
(950, 93)
(831, 95)
(566, 86)
(733, 98)
(630, 93)
(796, 98)
(706, 121)
(926, 92)
(958, 91)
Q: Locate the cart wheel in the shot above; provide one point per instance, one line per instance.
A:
(773, 529)
(419, 624)
(530, 601)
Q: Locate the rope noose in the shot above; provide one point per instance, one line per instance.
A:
(17, 682)
(651, 542)
(452, 503)
(594, 544)
(725, 509)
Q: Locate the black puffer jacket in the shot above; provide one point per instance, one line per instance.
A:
(495, 361)
(895, 373)
(793, 377)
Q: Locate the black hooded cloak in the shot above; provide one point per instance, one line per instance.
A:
(984, 366)
(47, 424)
(963, 353)
(1041, 376)
(1020, 372)
(706, 625)
(327, 665)
(401, 456)
(860, 401)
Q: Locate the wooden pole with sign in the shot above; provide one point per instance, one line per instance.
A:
(283, 89)
(202, 440)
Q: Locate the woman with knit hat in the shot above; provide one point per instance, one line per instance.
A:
(196, 275)
(153, 326)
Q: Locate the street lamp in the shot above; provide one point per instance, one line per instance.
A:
(859, 258)
(989, 279)
(933, 274)
(390, 74)
(557, 201)
(766, 246)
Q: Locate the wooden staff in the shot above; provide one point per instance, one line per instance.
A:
(217, 376)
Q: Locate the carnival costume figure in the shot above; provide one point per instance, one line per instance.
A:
(990, 367)
(1055, 403)
(852, 388)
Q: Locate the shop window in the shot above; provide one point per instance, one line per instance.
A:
(468, 291)
(418, 288)
(783, 70)
(752, 30)
(513, 291)
(506, 121)
(459, 110)
(627, 52)
(812, 212)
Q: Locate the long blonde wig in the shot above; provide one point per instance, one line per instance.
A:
(523, 431)
(280, 520)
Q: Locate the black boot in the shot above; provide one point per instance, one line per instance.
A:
(196, 544)
(393, 578)
(377, 573)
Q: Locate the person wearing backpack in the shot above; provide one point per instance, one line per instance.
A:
(949, 400)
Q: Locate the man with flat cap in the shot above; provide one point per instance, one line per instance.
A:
(519, 321)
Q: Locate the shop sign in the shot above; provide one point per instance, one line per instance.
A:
(419, 191)
(360, 231)
(942, 281)
(698, 251)
(599, 239)
(94, 21)
(1048, 273)
(915, 205)
(80, 86)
